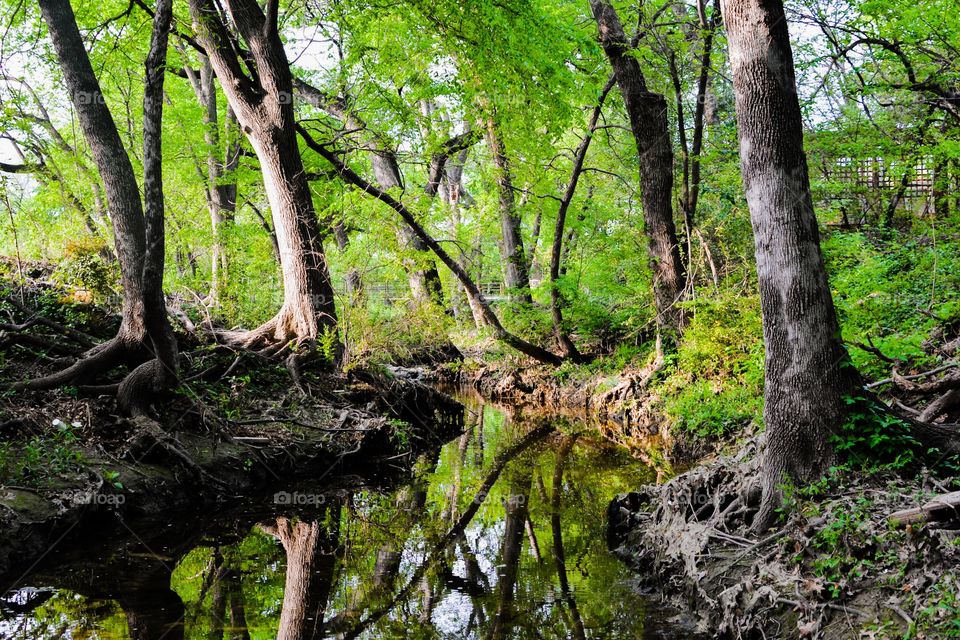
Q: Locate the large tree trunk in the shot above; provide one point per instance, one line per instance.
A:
(512, 255)
(808, 373)
(263, 105)
(647, 112)
(139, 238)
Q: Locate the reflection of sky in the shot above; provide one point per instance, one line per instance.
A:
(608, 607)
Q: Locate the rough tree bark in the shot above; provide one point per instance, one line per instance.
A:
(145, 340)
(262, 100)
(807, 370)
(310, 549)
(512, 255)
(647, 112)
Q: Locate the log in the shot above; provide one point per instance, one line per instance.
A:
(942, 509)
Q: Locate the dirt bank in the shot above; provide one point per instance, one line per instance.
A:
(834, 567)
(622, 406)
(237, 423)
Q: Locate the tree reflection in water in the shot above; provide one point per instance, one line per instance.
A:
(500, 534)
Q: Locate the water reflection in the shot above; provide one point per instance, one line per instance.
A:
(499, 535)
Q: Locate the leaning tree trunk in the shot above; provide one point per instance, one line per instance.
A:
(139, 239)
(474, 294)
(807, 371)
(424, 279)
(263, 105)
(647, 112)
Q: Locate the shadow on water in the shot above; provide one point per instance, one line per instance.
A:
(499, 535)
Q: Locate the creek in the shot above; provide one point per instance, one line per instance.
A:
(498, 534)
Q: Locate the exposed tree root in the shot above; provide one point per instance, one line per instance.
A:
(96, 361)
(692, 535)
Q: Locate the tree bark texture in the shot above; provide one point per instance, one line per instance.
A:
(263, 105)
(647, 112)
(807, 371)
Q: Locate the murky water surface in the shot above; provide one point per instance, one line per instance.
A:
(501, 535)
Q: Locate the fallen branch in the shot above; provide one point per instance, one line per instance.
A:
(916, 376)
(942, 509)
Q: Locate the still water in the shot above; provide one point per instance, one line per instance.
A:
(499, 535)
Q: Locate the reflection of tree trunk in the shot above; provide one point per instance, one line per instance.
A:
(509, 560)
(558, 552)
(310, 548)
(455, 533)
(238, 615)
(218, 598)
(153, 609)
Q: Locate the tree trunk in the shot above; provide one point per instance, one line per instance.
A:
(560, 556)
(353, 280)
(567, 347)
(263, 105)
(508, 561)
(139, 239)
(512, 256)
(807, 370)
(648, 120)
(424, 279)
(221, 195)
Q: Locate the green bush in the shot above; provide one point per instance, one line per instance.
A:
(83, 269)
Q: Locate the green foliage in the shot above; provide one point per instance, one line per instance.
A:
(716, 386)
(712, 411)
(83, 269)
(40, 459)
(872, 438)
(382, 334)
(942, 615)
